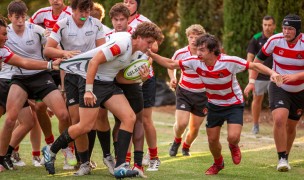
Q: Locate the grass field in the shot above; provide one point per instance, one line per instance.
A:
(259, 157)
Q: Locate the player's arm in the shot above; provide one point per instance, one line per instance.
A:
(287, 78)
(32, 64)
(51, 50)
(163, 61)
(261, 68)
(172, 76)
(250, 85)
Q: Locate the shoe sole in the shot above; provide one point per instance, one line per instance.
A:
(283, 169)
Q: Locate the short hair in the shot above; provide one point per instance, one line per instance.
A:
(98, 11)
(195, 29)
(119, 8)
(3, 21)
(146, 30)
(17, 7)
(82, 5)
(211, 43)
(268, 17)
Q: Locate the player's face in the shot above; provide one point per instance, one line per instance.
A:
(203, 53)
(56, 3)
(131, 5)
(145, 43)
(80, 16)
(268, 27)
(120, 23)
(191, 39)
(3, 36)
(18, 21)
(289, 33)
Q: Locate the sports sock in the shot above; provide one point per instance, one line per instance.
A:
(138, 157)
(231, 146)
(186, 146)
(115, 148)
(105, 142)
(16, 148)
(219, 161)
(92, 137)
(84, 156)
(153, 153)
(50, 139)
(76, 152)
(124, 138)
(10, 150)
(177, 140)
(282, 155)
(287, 157)
(61, 142)
(35, 153)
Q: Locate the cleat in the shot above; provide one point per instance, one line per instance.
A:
(122, 172)
(153, 165)
(36, 161)
(146, 160)
(186, 152)
(283, 165)
(15, 158)
(94, 164)
(236, 154)
(7, 162)
(174, 148)
(214, 169)
(84, 169)
(140, 170)
(109, 161)
(69, 156)
(49, 160)
(255, 129)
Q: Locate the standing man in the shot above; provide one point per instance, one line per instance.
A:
(286, 101)
(190, 96)
(261, 84)
(225, 99)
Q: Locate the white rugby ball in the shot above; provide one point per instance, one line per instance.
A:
(132, 71)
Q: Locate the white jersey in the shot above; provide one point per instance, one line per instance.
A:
(189, 79)
(6, 69)
(29, 45)
(117, 51)
(222, 87)
(106, 29)
(45, 16)
(71, 37)
(5, 54)
(287, 59)
(108, 35)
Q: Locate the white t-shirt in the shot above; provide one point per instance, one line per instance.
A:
(29, 45)
(6, 70)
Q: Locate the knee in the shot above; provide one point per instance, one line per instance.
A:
(213, 140)
(10, 120)
(233, 139)
(279, 122)
(63, 116)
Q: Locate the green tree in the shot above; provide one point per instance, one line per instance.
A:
(107, 5)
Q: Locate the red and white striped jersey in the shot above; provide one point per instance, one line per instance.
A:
(5, 54)
(189, 79)
(287, 59)
(222, 87)
(45, 16)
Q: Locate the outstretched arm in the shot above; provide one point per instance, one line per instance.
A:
(163, 61)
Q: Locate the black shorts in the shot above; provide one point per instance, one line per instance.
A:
(37, 85)
(71, 84)
(4, 89)
(103, 90)
(149, 92)
(134, 95)
(191, 102)
(56, 77)
(294, 102)
(218, 114)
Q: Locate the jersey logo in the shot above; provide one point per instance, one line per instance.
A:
(281, 52)
(56, 28)
(299, 56)
(115, 50)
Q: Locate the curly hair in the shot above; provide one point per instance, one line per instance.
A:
(148, 29)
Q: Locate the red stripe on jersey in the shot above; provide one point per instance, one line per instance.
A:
(289, 67)
(115, 49)
(221, 97)
(217, 74)
(56, 28)
(268, 43)
(219, 86)
(295, 83)
(8, 57)
(65, 10)
(49, 23)
(181, 65)
(264, 51)
(234, 61)
(190, 75)
(32, 19)
(174, 58)
(191, 85)
(287, 53)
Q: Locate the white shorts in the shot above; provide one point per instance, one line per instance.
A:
(261, 87)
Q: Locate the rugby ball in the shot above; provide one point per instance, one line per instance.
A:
(132, 71)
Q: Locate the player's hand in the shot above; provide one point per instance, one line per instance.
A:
(144, 73)
(250, 87)
(70, 54)
(47, 33)
(289, 78)
(277, 78)
(89, 99)
(56, 63)
(148, 52)
(173, 83)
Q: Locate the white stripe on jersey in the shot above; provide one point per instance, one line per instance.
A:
(189, 79)
(222, 87)
(45, 16)
(29, 45)
(287, 59)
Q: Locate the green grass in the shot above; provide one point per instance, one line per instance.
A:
(258, 162)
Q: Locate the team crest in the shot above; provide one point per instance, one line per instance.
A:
(281, 52)
(299, 112)
(299, 56)
(221, 75)
(115, 50)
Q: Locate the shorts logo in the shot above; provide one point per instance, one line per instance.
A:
(183, 106)
(56, 28)
(49, 82)
(115, 50)
(281, 102)
(205, 111)
(299, 112)
(71, 100)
